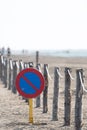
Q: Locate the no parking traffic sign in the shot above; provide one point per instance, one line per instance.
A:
(30, 83)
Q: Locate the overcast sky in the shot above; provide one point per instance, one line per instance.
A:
(43, 24)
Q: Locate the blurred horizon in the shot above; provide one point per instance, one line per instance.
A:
(60, 53)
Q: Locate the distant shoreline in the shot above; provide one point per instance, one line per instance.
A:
(55, 53)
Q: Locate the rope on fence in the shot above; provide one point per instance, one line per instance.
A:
(31, 64)
(70, 74)
(25, 65)
(82, 82)
(17, 64)
(4, 62)
(40, 69)
(11, 66)
(21, 63)
(59, 73)
(48, 73)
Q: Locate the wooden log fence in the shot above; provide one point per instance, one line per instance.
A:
(13, 70)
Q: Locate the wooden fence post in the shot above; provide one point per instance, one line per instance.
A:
(78, 103)
(0, 67)
(5, 72)
(55, 95)
(10, 73)
(37, 57)
(1, 73)
(14, 77)
(21, 67)
(38, 98)
(67, 104)
(45, 92)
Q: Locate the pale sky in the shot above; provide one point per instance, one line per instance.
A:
(43, 24)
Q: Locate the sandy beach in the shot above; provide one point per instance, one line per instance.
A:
(14, 112)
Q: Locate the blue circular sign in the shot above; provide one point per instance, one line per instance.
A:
(30, 83)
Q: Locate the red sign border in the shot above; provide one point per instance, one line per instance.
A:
(18, 85)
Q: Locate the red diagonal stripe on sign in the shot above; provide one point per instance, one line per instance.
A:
(29, 82)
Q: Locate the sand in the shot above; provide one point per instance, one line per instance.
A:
(14, 112)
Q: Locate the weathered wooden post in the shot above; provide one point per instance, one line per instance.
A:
(78, 102)
(9, 83)
(38, 98)
(21, 67)
(4, 70)
(55, 95)
(14, 76)
(0, 67)
(37, 57)
(10, 73)
(37, 66)
(67, 114)
(5, 73)
(45, 92)
(8, 52)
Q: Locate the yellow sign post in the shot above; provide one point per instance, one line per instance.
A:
(30, 84)
(30, 110)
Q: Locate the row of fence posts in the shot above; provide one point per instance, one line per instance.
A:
(9, 70)
(67, 97)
